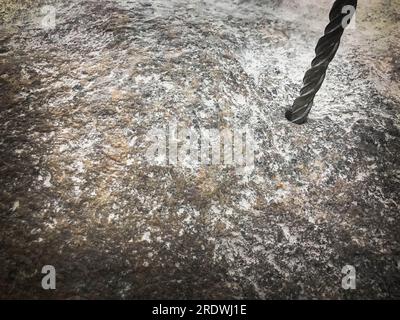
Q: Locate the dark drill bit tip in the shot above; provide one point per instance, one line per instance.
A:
(325, 52)
(291, 117)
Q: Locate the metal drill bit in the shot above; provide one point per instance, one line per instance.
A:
(325, 51)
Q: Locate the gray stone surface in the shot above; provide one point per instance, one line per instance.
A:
(76, 191)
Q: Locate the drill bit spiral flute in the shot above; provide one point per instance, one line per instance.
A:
(326, 49)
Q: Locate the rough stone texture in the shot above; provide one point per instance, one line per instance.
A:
(76, 191)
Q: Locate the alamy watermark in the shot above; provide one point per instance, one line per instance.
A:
(49, 280)
(189, 147)
(349, 280)
(349, 20)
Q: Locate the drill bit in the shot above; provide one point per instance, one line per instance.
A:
(325, 52)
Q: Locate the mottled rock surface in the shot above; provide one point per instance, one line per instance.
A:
(78, 100)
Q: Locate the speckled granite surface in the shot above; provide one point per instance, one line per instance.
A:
(76, 192)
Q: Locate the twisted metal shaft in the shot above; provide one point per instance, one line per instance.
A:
(325, 51)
